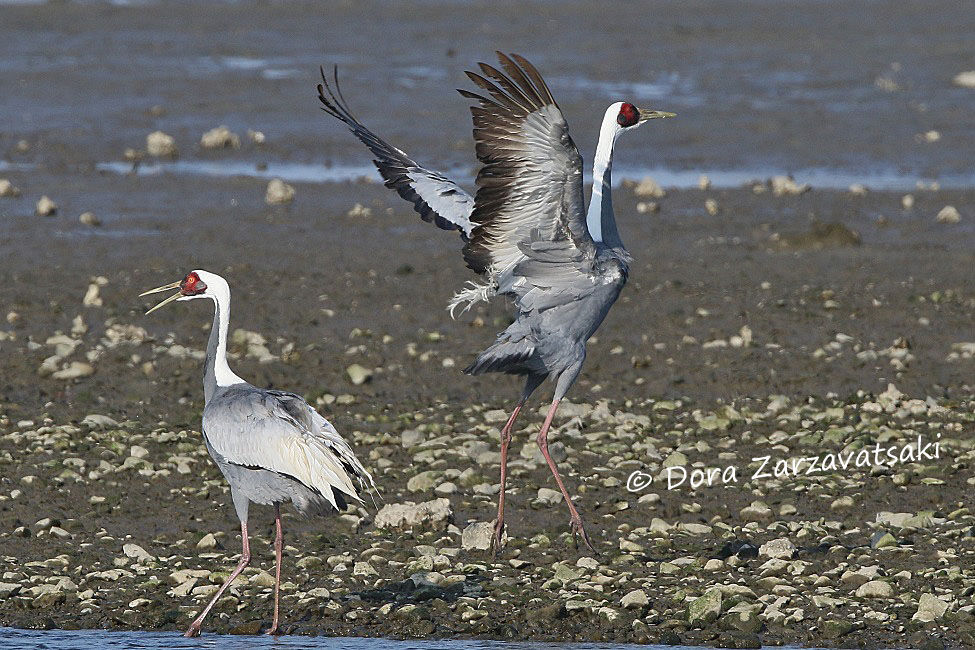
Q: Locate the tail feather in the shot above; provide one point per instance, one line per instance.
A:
(503, 356)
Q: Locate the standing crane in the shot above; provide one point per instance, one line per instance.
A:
(526, 232)
(271, 446)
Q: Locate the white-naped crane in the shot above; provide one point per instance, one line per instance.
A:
(526, 232)
(271, 446)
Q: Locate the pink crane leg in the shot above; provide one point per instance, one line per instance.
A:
(542, 440)
(505, 441)
(278, 542)
(245, 558)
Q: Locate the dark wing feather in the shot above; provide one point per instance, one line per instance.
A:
(531, 175)
(435, 197)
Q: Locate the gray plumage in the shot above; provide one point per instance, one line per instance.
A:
(530, 236)
(270, 445)
(436, 198)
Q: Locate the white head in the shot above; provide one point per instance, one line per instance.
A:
(623, 116)
(196, 284)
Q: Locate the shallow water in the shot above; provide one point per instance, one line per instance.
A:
(760, 87)
(16, 639)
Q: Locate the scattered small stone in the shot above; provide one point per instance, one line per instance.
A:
(46, 207)
(781, 548)
(636, 599)
(7, 189)
(89, 219)
(75, 370)
(161, 145)
(929, 608)
(435, 514)
(648, 188)
(477, 536)
(208, 541)
(965, 79)
(358, 375)
(219, 138)
(705, 609)
(278, 192)
(549, 497)
(948, 214)
(875, 589)
(787, 186)
(882, 539)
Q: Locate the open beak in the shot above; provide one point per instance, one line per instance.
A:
(649, 115)
(167, 287)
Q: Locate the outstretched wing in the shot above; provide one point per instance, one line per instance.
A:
(531, 178)
(435, 197)
(280, 432)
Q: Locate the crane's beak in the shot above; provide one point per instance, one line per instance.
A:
(167, 287)
(649, 115)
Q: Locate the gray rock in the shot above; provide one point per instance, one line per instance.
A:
(423, 482)
(782, 549)
(358, 375)
(549, 497)
(875, 589)
(96, 421)
(882, 539)
(704, 609)
(161, 145)
(46, 207)
(477, 536)
(929, 608)
(435, 514)
(636, 599)
(136, 552)
(278, 192)
(758, 511)
(220, 138)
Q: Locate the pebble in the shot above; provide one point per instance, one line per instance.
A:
(477, 536)
(358, 375)
(705, 609)
(780, 548)
(929, 608)
(278, 192)
(219, 138)
(7, 189)
(965, 79)
(75, 370)
(435, 514)
(649, 188)
(89, 219)
(875, 589)
(46, 207)
(161, 145)
(548, 497)
(636, 599)
(786, 186)
(208, 541)
(948, 214)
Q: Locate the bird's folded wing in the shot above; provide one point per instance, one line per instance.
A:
(531, 178)
(435, 197)
(280, 433)
(552, 273)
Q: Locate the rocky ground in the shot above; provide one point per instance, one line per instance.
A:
(758, 322)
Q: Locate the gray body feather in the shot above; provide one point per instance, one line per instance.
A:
(525, 229)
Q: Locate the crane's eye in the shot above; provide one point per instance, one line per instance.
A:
(192, 285)
(628, 116)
